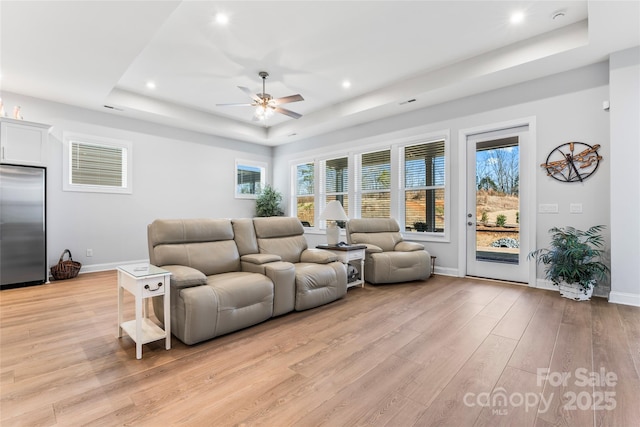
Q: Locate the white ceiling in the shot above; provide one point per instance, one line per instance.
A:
(97, 53)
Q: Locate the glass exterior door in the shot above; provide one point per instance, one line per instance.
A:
(494, 235)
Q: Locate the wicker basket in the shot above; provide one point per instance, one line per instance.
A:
(65, 269)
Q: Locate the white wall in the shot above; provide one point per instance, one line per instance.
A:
(567, 107)
(625, 176)
(176, 174)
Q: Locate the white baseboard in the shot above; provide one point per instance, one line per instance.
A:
(93, 268)
(545, 284)
(444, 271)
(624, 298)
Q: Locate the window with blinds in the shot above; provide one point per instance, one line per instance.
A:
(250, 178)
(305, 193)
(375, 185)
(402, 179)
(336, 173)
(424, 185)
(97, 166)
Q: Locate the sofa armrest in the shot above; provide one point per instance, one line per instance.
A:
(318, 256)
(185, 277)
(283, 276)
(408, 247)
(371, 249)
(259, 259)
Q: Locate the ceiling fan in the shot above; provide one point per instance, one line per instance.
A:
(265, 104)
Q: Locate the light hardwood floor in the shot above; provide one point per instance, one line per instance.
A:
(449, 351)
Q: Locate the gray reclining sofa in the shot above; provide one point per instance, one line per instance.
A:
(230, 274)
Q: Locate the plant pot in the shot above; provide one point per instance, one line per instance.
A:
(575, 292)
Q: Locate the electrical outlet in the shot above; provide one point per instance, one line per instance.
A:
(89, 252)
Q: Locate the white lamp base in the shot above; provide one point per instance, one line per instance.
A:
(333, 234)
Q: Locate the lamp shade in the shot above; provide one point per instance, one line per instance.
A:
(334, 211)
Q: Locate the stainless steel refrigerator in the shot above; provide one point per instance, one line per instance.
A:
(23, 244)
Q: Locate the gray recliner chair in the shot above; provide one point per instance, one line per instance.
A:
(389, 259)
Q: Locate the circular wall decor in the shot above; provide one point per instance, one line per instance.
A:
(572, 161)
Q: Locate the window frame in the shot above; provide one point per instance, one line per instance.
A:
(396, 146)
(324, 194)
(402, 188)
(295, 194)
(262, 166)
(69, 138)
(358, 188)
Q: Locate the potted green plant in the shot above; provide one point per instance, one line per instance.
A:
(268, 202)
(573, 260)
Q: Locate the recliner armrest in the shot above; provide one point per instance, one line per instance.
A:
(259, 259)
(371, 249)
(408, 247)
(318, 256)
(185, 277)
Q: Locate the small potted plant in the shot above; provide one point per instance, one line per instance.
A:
(268, 202)
(573, 261)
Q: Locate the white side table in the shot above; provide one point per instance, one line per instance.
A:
(144, 281)
(348, 254)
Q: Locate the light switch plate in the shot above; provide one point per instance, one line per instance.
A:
(575, 208)
(548, 208)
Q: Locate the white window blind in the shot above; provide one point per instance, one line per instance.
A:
(424, 183)
(337, 181)
(98, 165)
(376, 185)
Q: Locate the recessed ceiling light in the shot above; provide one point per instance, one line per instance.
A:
(517, 17)
(558, 14)
(346, 84)
(222, 18)
(151, 85)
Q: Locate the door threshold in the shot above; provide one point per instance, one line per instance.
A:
(502, 281)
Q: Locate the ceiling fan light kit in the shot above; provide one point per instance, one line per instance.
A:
(265, 104)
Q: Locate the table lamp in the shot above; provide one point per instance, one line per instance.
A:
(333, 212)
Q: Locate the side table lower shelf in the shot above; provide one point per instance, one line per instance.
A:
(150, 331)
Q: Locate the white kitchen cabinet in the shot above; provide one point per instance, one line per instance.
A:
(23, 143)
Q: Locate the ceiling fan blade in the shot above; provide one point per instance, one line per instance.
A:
(287, 99)
(287, 112)
(248, 92)
(234, 105)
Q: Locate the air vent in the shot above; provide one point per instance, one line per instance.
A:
(408, 101)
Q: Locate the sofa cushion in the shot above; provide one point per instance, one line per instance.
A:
(381, 232)
(244, 299)
(283, 236)
(277, 227)
(394, 267)
(318, 284)
(204, 244)
(208, 257)
(245, 236)
(167, 231)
